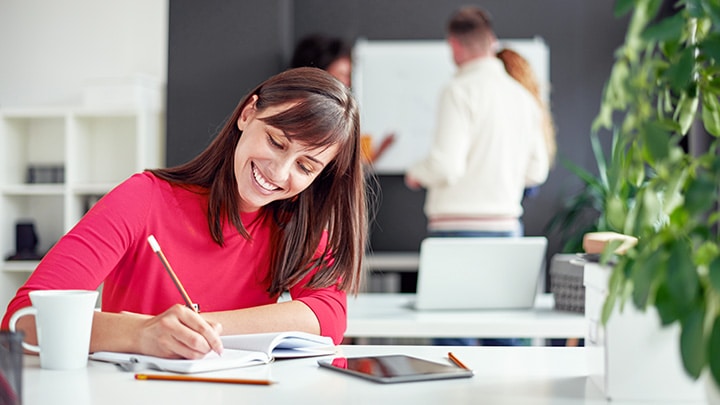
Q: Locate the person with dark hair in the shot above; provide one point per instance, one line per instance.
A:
(327, 53)
(275, 203)
(335, 56)
(488, 145)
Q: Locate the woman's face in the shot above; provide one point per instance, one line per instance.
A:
(341, 69)
(268, 165)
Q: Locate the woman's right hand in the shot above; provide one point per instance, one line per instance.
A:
(180, 332)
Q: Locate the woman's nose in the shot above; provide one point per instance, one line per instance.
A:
(280, 169)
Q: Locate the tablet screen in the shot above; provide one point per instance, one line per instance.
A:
(395, 368)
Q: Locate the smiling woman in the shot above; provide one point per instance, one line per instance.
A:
(275, 203)
(276, 165)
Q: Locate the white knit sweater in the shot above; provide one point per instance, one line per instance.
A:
(488, 146)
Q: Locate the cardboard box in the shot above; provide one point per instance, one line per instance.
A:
(632, 357)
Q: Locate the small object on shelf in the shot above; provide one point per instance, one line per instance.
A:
(26, 241)
(45, 174)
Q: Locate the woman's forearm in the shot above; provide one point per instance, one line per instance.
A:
(284, 316)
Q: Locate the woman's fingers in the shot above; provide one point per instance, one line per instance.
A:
(180, 332)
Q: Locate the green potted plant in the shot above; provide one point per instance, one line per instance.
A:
(585, 211)
(665, 79)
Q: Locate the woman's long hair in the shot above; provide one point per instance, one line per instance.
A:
(520, 70)
(323, 113)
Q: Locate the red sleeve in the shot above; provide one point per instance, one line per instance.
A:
(330, 308)
(83, 257)
(329, 304)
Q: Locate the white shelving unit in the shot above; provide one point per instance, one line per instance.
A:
(98, 147)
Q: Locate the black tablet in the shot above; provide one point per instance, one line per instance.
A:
(395, 368)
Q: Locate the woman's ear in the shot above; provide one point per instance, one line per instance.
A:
(247, 113)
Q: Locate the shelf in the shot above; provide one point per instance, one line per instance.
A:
(35, 112)
(22, 190)
(19, 266)
(97, 147)
(92, 189)
(105, 112)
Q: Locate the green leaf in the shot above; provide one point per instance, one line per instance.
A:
(712, 9)
(685, 112)
(680, 72)
(711, 113)
(645, 11)
(669, 28)
(714, 350)
(665, 306)
(694, 8)
(682, 278)
(714, 275)
(656, 141)
(701, 194)
(710, 46)
(615, 285)
(623, 7)
(600, 156)
(643, 275)
(646, 213)
(615, 212)
(692, 345)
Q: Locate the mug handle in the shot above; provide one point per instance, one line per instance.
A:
(13, 320)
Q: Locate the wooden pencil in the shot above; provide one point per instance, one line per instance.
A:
(457, 361)
(192, 378)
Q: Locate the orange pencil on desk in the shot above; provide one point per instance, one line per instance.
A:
(190, 378)
(156, 248)
(457, 361)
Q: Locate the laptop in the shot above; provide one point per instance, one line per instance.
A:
(479, 273)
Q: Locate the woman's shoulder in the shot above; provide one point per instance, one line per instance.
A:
(144, 181)
(143, 184)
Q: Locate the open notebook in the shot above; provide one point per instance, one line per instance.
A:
(240, 351)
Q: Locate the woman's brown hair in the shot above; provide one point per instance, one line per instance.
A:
(520, 69)
(323, 113)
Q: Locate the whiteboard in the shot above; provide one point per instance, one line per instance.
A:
(397, 85)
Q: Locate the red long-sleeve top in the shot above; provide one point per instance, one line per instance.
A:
(109, 245)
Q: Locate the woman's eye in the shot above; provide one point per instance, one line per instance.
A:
(304, 168)
(273, 142)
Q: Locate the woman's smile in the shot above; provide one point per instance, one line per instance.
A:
(261, 181)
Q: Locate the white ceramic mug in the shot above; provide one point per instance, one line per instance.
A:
(63, 319)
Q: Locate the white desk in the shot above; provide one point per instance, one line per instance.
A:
(389, 315)
(503, 375)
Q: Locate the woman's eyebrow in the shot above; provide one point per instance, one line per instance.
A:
(315, 160)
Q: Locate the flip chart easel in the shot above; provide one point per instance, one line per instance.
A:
(397, 84)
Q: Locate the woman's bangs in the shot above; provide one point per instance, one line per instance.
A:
(313, 124)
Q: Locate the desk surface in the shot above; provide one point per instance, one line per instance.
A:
(389, 315)
(503, 375)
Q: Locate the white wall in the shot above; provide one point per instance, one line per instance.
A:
(49, 49)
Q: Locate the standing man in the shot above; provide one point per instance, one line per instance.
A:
(487, 148)
(488, 144)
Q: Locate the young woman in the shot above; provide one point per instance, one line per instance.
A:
(275, 203)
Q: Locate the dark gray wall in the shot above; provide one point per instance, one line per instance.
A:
(219, 49)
